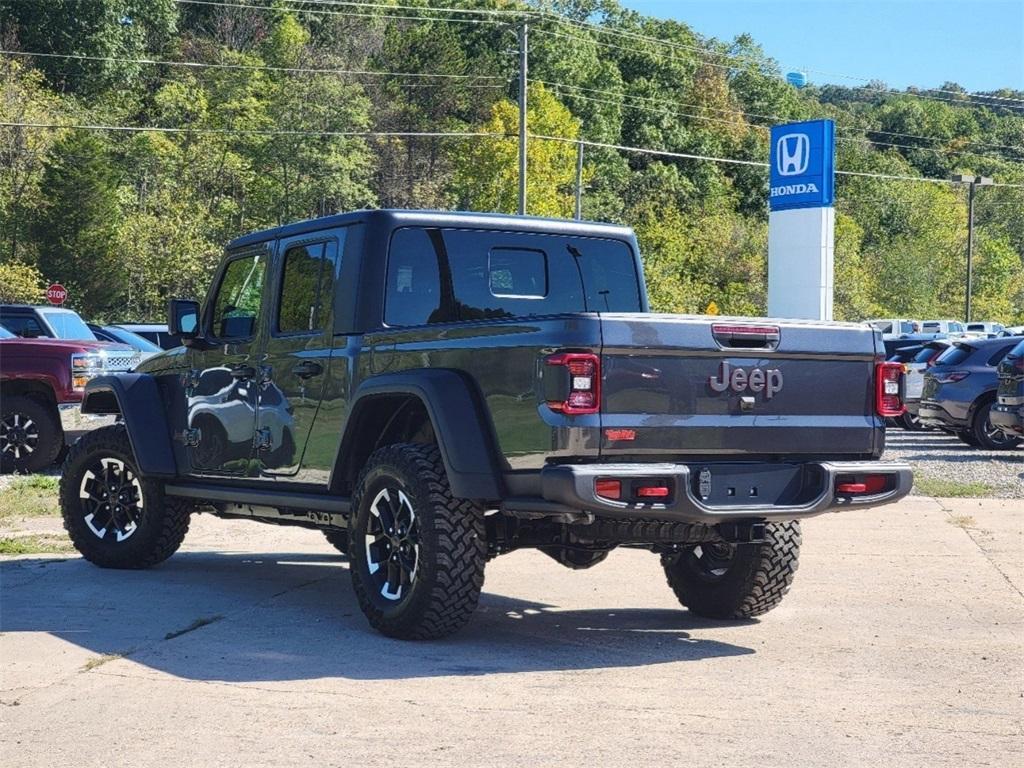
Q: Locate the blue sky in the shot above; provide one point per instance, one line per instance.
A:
(976, 43)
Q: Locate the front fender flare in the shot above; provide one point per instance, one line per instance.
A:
(136, 397)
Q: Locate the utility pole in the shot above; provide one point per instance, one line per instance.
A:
(971, 182)
(523, 42)
(579, 181)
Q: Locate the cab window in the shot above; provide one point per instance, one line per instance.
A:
(307, 287)
(236, 307)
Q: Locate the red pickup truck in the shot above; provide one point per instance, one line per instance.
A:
(41, 385)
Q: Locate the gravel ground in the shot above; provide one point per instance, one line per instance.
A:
(939, 456)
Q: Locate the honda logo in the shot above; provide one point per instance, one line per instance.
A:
(792, 153)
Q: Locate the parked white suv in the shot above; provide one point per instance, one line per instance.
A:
(950, 327)
(895, 327)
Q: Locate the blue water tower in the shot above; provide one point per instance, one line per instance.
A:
(797, 79)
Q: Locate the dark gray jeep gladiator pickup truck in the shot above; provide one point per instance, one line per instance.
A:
(435, 389)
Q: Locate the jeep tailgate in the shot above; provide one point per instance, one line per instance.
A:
(671, 385)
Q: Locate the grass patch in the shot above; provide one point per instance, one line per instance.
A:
(46, 543)
(961, 521)
(99, 661)
(30, 496)
(200, 622)
(929, 486)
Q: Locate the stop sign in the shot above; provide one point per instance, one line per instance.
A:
(57, 294)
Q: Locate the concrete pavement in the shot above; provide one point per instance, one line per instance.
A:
(901, 644)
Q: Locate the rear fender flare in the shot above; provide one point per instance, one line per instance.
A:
(459, 420)
(136, 397)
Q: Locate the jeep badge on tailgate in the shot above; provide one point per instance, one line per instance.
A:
(755, 379)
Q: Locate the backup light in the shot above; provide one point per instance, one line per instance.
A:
(584, 383)
(888, 401)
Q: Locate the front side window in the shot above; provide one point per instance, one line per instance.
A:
(307, 287)
(236, 307)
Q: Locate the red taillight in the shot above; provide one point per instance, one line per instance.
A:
(869, 484)
(653, 491)
(583, 394)
(608, 488)
(887, 389)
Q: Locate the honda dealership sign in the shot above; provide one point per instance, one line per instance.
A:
(802, 159)
(801, 220)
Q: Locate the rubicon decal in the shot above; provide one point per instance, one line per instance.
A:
(756, 380)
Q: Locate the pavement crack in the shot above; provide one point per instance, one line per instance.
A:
(202, 621)
(952, 518)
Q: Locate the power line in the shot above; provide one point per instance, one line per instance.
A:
(251, 131)
(957, 101)
(317, 12)
(257, 67)
(462, 134)
(658, 109)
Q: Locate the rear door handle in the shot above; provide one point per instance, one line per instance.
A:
(307, 369)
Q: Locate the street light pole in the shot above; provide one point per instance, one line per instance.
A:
(971, 182)
(523, 63)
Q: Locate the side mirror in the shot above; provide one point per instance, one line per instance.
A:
(183, 318)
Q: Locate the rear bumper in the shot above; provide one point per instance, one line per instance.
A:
(932, 414)
(571, 487)
(1008, 418)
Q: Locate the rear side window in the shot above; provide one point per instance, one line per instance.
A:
(999, 355)
(448, 275)
(931, 327)
(307, 286)
(24, 325)
(906, 327)
(955, 355)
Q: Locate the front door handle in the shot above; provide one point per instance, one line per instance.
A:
(307, 369)
(242, 371)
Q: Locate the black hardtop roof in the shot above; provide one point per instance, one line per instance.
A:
(393, 218)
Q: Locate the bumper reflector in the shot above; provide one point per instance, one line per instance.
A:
(868, 484)
(607, 488)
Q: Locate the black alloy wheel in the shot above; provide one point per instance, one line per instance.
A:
(110, 499)
(392, 543)
(30, 434)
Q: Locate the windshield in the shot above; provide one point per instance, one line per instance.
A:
(127, 337)
(67, 325)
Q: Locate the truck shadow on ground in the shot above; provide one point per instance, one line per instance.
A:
(276, 617)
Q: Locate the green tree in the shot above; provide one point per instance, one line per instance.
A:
(76, 228)
(486, 173)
